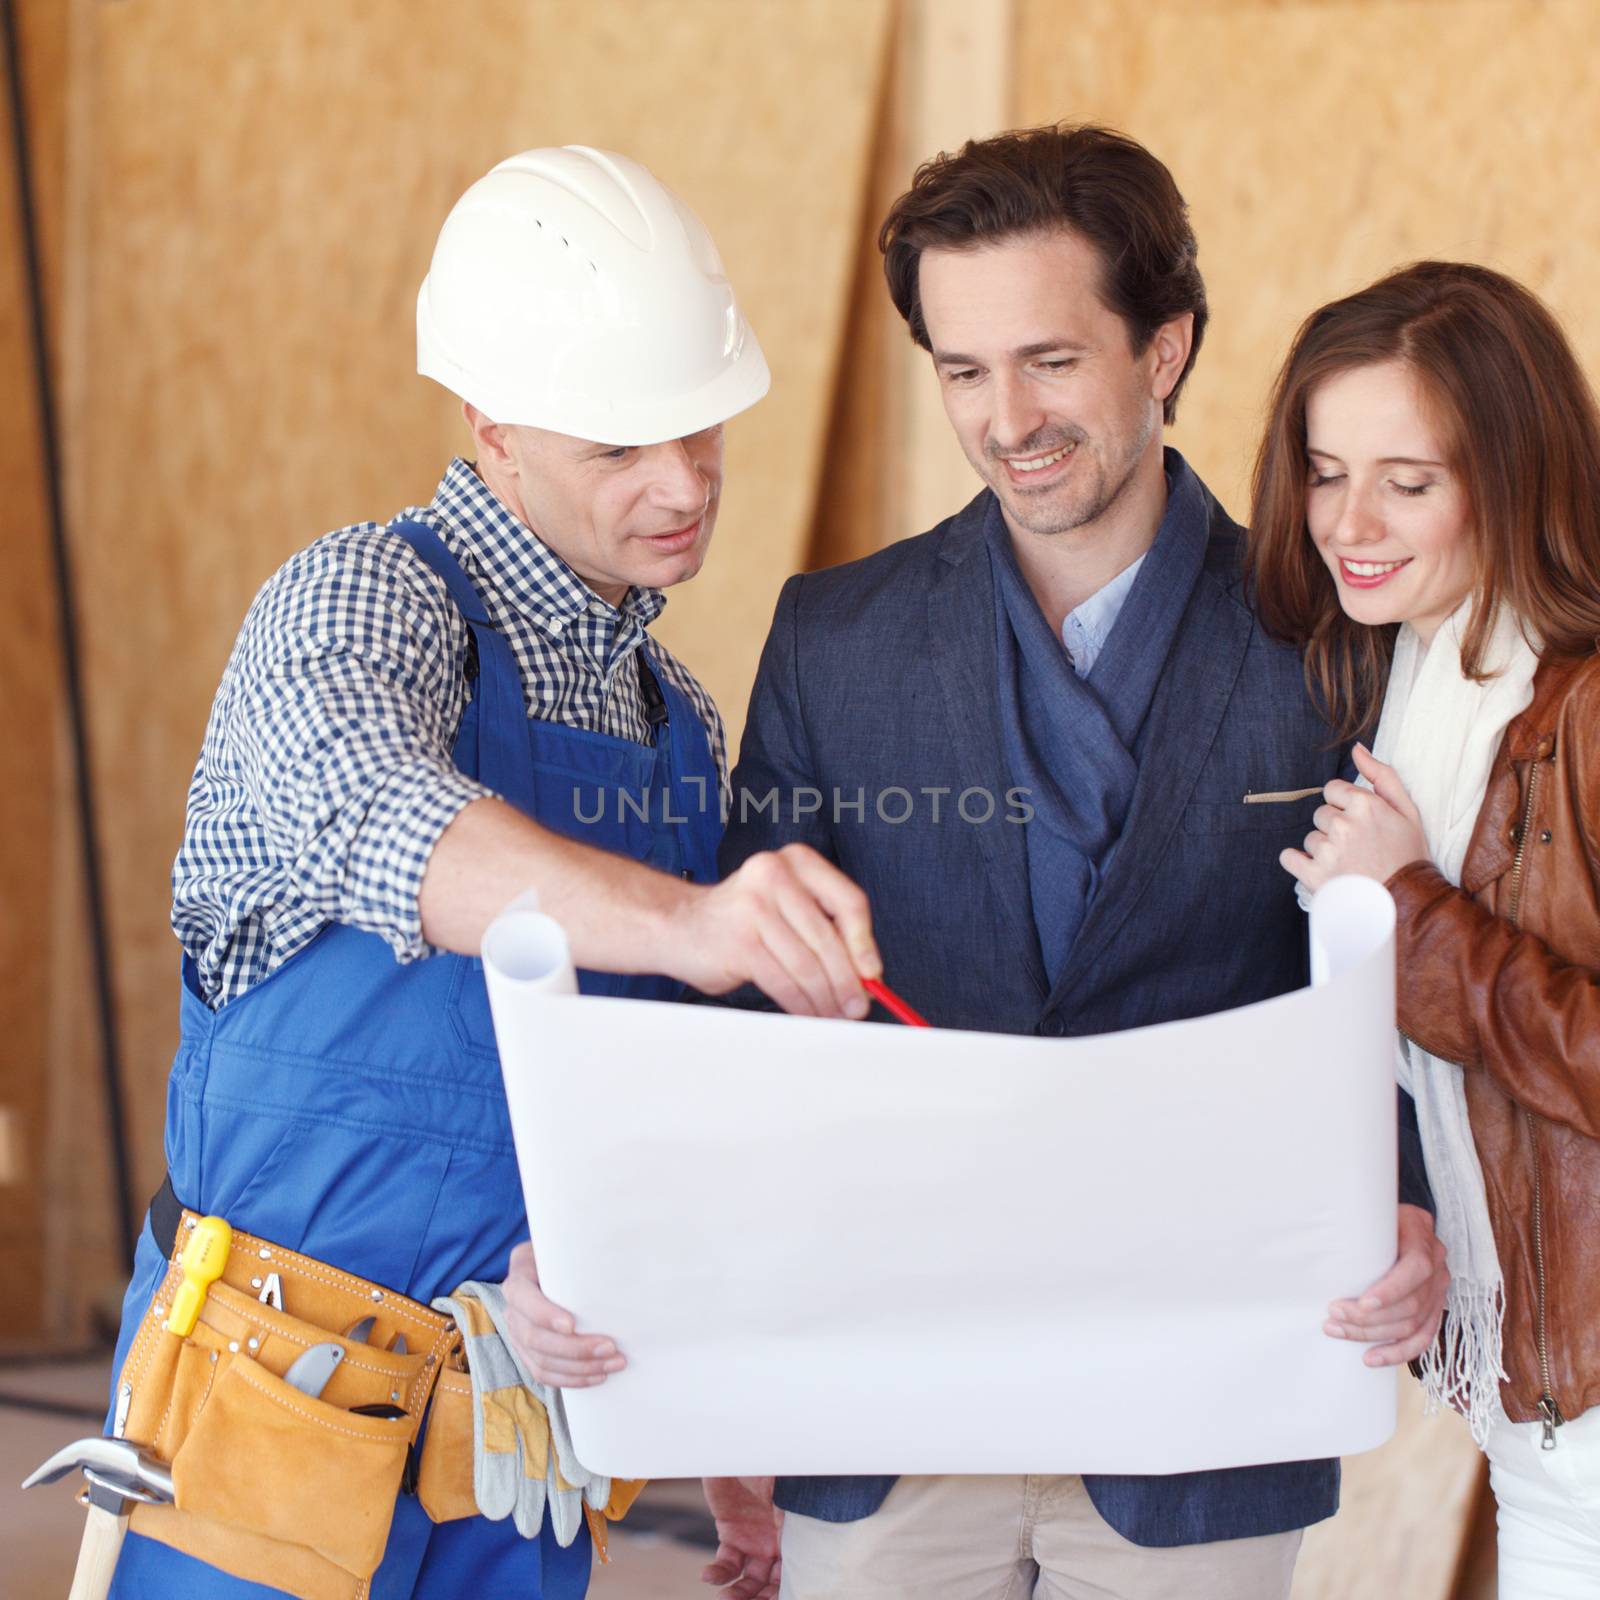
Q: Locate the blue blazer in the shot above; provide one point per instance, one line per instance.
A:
(881, 676)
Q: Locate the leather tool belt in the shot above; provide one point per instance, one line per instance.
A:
(271, 1484)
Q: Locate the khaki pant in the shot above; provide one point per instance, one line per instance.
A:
(997, 1538)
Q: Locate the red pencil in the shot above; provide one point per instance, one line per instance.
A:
(890, 1001)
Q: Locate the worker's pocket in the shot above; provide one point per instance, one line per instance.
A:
(272, 1484)
(468, 1006)
(265, 1458)
(173, 1380)
(193, 1369)
(258, 1455)
(444, 1477)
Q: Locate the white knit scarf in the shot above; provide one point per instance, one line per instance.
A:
(1440, 731)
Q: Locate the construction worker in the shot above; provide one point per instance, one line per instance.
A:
(419, 721)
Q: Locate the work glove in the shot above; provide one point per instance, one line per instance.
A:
(522, 1456)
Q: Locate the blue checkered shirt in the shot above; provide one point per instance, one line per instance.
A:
(326, 778)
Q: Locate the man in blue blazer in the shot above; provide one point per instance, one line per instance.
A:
(1050, 741)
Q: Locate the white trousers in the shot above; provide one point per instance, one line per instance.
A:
(1549, 1508)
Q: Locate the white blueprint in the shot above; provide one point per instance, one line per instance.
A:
(836, 1247)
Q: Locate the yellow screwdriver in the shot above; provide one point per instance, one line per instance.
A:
(204, 1257)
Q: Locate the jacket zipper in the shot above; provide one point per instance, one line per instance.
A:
(1549, 1412)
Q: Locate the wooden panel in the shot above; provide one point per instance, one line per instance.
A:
(1403, 1514)
(893, 465)
(859, 503)
(262, 190)
(790, 246)
(34, 799)
(1321, 144)
(28, 800)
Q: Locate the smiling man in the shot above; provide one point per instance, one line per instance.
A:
(1055, 748)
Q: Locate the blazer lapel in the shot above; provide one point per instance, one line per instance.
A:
(1190, 700)
(961, 645)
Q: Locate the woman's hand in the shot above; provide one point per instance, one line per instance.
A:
(1399, 1315)
(1372, 833)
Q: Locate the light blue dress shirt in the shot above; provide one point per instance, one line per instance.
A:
(1087, 628)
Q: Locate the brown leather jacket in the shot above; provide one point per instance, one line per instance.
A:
(1503, 975)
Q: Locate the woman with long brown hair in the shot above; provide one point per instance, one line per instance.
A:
(1426, 527)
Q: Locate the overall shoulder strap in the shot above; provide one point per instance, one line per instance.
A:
(698, 804)
(493, 742)
(432, 549)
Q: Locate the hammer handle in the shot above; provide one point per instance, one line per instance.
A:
(97, 1555)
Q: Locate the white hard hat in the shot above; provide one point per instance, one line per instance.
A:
(571, 290)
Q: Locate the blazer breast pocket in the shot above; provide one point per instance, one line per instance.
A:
(1291, 816)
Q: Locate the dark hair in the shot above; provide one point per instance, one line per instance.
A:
(1521, 432)
(1091, 180)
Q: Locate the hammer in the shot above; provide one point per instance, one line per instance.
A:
(117, 1474)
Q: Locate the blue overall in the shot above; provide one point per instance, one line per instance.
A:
(351, 1107)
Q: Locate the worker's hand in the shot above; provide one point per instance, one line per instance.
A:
(749, 1534)
(545, 1336)
(788, 921)
(1370, 832)
(1399, 1315)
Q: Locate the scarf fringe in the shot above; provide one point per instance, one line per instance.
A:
(1462, 1368)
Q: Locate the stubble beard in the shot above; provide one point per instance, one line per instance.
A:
(1094, 500)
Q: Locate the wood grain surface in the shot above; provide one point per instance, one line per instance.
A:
(36, 822)
(1321, 143)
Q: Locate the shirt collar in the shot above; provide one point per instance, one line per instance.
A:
(520, 565)
(1170, 564)
(1087, 627)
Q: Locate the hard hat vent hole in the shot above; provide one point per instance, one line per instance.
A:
(564, 241)
(537, 223)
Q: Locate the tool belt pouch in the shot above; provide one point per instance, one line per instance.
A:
(444, 1476)
(272, 1485)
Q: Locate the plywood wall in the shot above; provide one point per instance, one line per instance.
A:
(1321, 142)
(893, 466)
(27, 760)
(36, 830)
